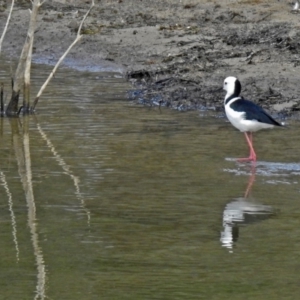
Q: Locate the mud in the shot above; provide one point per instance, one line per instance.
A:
(175, 53)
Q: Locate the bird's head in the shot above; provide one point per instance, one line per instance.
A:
(232, 86)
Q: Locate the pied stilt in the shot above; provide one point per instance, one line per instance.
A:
(244, 114)
(296, 6)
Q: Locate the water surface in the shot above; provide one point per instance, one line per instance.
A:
(103, 199)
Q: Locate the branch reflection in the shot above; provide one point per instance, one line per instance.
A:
(4, 183)
(21, 144)
(67, 170)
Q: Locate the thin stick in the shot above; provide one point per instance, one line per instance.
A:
(1, 100)
(7, 22)
(78, 37)
(27, 63)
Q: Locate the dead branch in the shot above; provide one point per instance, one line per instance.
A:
(78, 37)
(7, 22)
(26, 96)
(1, 100)
(12, 107)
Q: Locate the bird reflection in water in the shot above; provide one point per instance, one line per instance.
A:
(242, 211)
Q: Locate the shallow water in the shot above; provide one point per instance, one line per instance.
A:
(103, 199)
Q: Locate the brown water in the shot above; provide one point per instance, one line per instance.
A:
(103, 199)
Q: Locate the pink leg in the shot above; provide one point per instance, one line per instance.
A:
(250, 135)
(252, 156)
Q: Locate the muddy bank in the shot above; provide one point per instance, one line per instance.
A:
(175, 54)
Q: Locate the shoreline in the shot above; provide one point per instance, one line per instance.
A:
(174, 54)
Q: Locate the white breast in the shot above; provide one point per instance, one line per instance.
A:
(237, 119)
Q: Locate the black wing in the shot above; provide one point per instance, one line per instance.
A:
(253, 111)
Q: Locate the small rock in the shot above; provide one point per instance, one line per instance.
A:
(73, 25)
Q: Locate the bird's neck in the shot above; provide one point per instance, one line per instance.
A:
(230, 96)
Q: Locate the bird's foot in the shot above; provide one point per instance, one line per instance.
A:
(250, 158)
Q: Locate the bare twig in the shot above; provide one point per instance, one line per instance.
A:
(78, 37)
(26, 97)
(7, 22)
(1, 100)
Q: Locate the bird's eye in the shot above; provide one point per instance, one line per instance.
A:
(225, 83)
